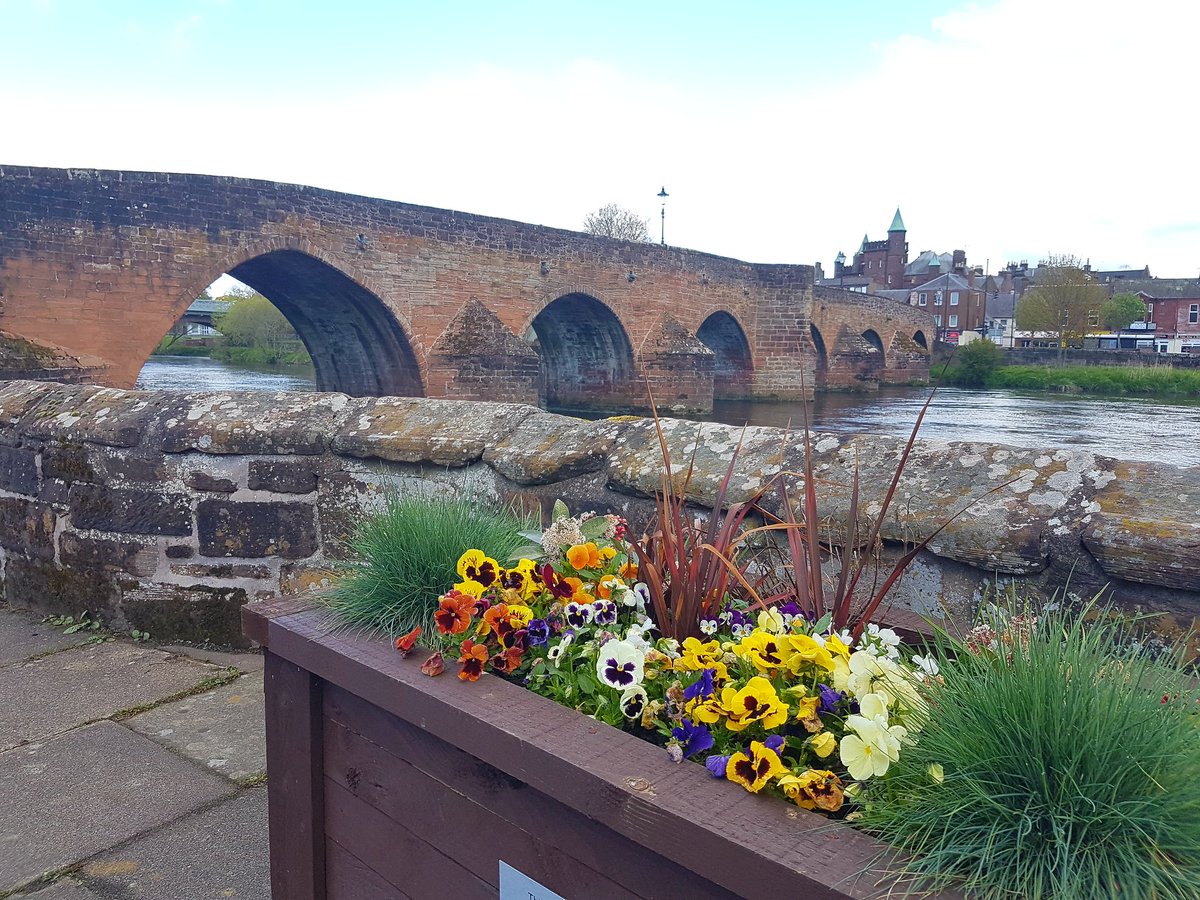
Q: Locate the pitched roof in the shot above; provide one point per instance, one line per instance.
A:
(1001, 306)
(897, 222)
(949, 281)
(922, 265)
(1161, 288)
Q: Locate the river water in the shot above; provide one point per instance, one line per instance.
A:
(1127, 428)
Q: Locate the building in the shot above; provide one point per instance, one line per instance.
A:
(1172, 309)
(956, 303)
(1000, 321)
(877, 265)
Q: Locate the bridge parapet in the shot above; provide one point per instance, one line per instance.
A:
(167, 511)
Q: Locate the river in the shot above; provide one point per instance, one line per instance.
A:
(1152, 429)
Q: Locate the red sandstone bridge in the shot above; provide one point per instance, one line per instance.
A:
(391, 298)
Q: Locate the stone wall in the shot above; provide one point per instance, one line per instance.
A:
(166, 511)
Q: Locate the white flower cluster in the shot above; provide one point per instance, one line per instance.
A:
(560, 536)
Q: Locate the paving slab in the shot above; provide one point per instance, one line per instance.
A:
(66, 889)
(244, 661)
(69, 798)
(50, 695)
(222, 729)
(22, 635)
(218, 852)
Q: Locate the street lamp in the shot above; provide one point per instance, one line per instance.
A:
(662, 239)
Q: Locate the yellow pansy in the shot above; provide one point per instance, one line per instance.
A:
(765, 651)
(695, 656)
(475, 565)
(837, 647)
(519, 615)
(806, 713)
(800, 650)
(756, 702)
(823, 744)
(474, 588)
(814, 789)
(754, 769)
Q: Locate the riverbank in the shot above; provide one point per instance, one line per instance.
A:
(1108, 381)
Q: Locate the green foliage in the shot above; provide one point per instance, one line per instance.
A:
(253, 322)
(1062, 302)
(1099, 380)
(1121, 309)
(408, 553)
(1071, 769)
(173, 345)
(974, 363)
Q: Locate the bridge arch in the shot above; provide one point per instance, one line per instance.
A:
(822, 361)
(733, 365)
(586, 355)
(357, 344)
(871, 336)
(920, 340)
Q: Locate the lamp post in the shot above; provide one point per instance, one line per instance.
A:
(662, 238)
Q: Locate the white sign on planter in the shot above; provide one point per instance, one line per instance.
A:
(517, 886)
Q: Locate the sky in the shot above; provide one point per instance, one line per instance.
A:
(782, 131)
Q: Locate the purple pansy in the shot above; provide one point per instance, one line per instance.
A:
(693, 738)
(830, 699)
(703, 687)
(539, 632)
(716, 765)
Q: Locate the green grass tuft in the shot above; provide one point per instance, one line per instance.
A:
(408, 553)
(1066, 774)
(1111, 380)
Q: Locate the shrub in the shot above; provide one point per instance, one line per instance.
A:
(1061, 764)
(976, 362)
(408, 553)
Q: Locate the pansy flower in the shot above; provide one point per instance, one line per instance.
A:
(609, 585)
(453, 614)
(633, 702)
(475, 565)
(754, 769)
(756, 702)
(831, 700)
(406, 642)
(692, 738)
(474, 658)
(538, 631)
(619, 665)
(763, 649)
(800, 651)
(814, 789)
(702, 688)
(584, 556)
(577, 614)
(696, 655)
(717, 765)
(559, 588)
(604, 612)
(508, 660)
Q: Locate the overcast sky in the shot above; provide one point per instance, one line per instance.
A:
(782, 131)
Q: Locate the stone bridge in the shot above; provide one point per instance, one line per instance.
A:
(396, 299)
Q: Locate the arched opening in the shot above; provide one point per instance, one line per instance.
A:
(732, 365)
(586, 357)
(354, 343)
(819, 345)
(871, 336)
(920, 341)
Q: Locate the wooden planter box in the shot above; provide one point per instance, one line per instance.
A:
(385, 783)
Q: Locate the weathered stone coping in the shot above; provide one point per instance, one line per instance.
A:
(139, 502)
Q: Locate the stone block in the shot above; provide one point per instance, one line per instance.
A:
(282, 476)
(440, 432)
(221, 570)
(340, 503)
(285, 422)
(256, 529)
(107, 554)
(18, 470)
(297, 578)
(27, 527)
(67, 462)
(43, 586)
(187, 614)
(545, 448)
(129, 510)
(93, 415)
(180, 551)
(203, 481)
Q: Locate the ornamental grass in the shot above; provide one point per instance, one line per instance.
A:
(407, 554)
(1055, 762)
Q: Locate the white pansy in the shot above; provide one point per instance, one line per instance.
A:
(619, 664)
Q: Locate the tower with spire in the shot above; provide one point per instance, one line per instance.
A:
(882, 263)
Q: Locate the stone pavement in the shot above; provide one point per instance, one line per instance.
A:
(128, 770)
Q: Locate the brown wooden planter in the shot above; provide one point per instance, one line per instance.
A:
(385, 783)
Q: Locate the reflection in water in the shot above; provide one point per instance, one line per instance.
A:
(1126, 428)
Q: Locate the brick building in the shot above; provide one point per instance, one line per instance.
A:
(877, 265)
(956, 303)
(1173, 306)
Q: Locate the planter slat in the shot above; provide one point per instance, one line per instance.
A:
(397, 855)
(524, 813)
(349, 876)
(608, 781)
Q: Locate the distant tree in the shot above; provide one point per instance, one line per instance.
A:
(617, 222)
(976, 361)
(253, 321)
(1064, 302)
(1121, 309)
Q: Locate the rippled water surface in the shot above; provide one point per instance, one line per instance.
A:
(1127, 428)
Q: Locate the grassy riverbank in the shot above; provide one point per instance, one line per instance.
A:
(1111, 380)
